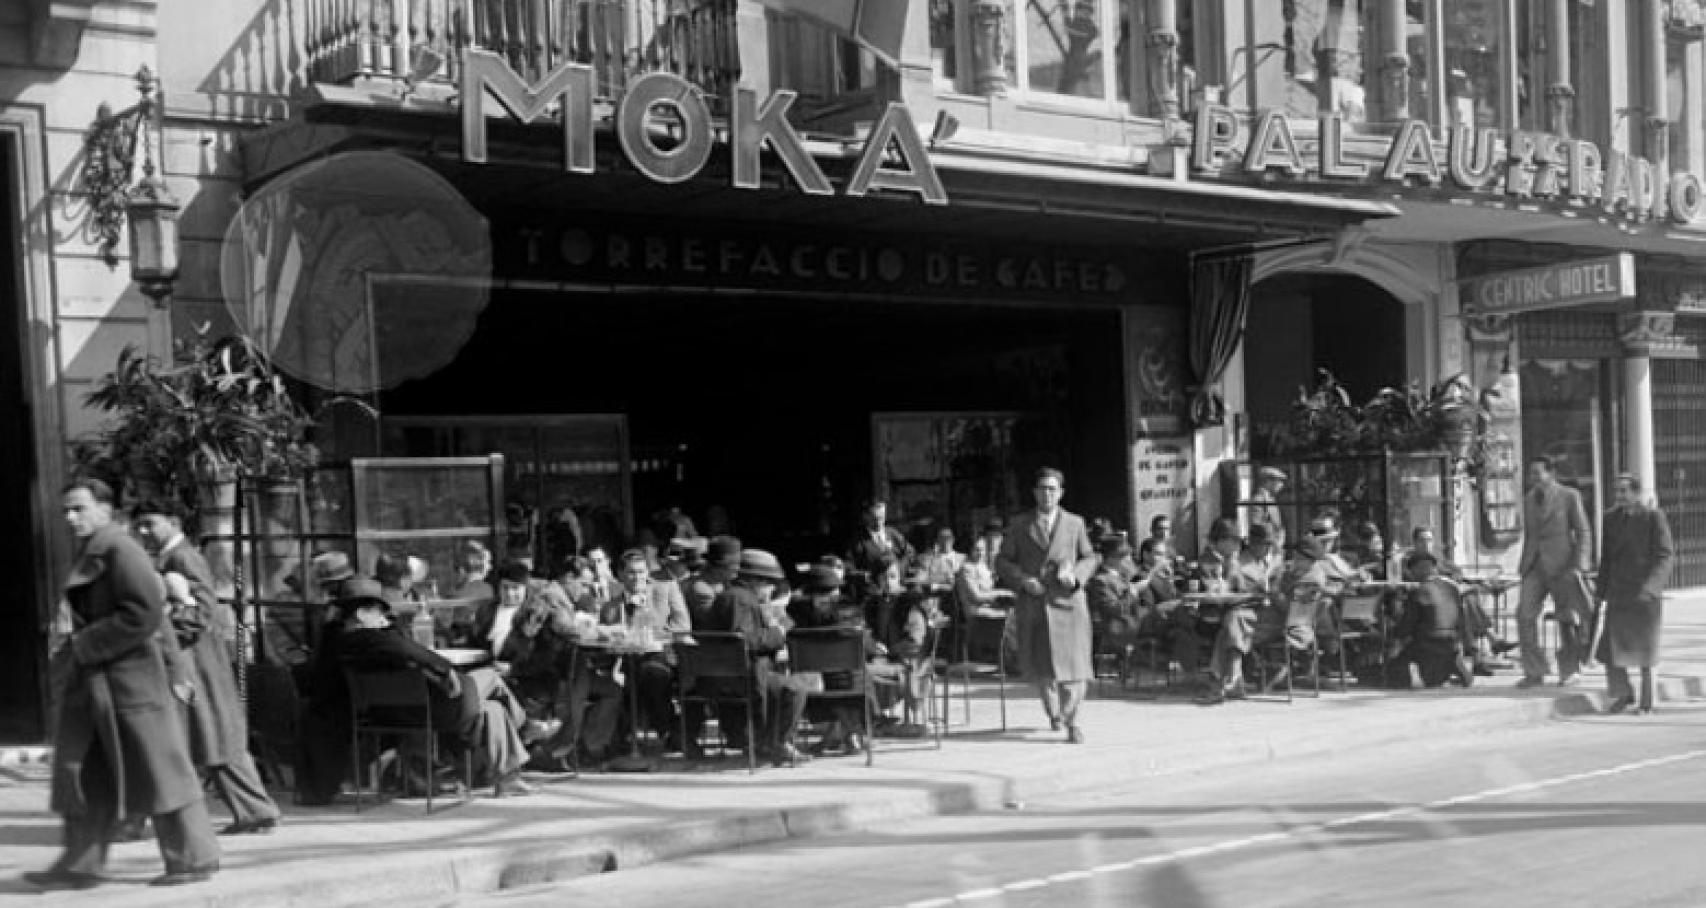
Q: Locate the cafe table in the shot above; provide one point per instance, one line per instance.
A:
(1211, 607)
(631, 648)
(465, 658)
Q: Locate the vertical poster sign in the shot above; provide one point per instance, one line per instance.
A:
(1156, 370)
(1165, 484)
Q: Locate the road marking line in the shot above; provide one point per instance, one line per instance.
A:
(1072, 876)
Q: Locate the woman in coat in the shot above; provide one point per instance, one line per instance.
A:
(1047, 559)
(1635, 561)
(120, 749)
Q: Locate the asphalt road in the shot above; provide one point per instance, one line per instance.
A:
(1604, 811)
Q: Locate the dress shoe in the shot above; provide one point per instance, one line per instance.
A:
(1643, 710)
(788, 755)
(514, 785)
(266, 826)
(1570, 680)
(60, 880)
(1074, 735)
(1527, 683)
(1500, 647)
(1618, 705)
(183, 877)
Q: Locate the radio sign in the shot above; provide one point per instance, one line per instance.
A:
(1596, 280)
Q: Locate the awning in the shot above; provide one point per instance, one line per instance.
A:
(876, 25)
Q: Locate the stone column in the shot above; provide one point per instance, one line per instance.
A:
(1393, 53)
(1163, 58)
(1560, 94)
(1654, 86)
(1641, 331)
(989, 47)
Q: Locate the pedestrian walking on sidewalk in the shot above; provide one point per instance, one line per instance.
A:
(207, 629)
(1046, 557)
(120, 749)
(1635, 561)
(1554, 558)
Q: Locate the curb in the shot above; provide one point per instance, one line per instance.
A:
(439, 877)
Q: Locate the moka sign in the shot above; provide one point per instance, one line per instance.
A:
(1517, 164)
(751, 126)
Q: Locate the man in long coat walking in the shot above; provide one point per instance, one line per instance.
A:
(206, 628)
(1046, 558)
(1634, 563)
(120, 749)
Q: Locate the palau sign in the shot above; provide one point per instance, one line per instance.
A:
(1518, 164)
(1596, 280)
(751, 126)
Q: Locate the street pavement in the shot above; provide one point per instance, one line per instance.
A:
(1591, 810)
(397, 854)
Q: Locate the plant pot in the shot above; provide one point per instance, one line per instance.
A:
(216, 506)
(1456, 429)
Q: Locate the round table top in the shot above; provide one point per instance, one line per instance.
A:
(465, 657)
(1219, 598)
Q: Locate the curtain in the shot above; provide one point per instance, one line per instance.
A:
(1220, 300)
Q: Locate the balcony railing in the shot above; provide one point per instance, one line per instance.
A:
(423, 40)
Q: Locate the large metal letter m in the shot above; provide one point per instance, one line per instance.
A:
(485, 73)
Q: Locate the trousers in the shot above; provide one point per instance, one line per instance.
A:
(239, 785)
(185, 836)
(1574, 614)
(1061, 699)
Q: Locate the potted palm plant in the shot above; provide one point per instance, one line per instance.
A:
(190, 428)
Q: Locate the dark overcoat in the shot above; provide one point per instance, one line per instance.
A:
(116, 694)
(1634, 564)
(218, 724)
(1054, 628)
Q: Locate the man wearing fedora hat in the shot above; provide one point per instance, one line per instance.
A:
(747, 607)
(476, 708)
(1047, 559)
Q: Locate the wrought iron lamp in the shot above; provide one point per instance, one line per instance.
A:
(148, 207)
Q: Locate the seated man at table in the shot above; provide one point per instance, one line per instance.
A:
(1115, 613)
(1431, 632)
(748, 607)
(1485, 646)
(1158, 592)
(475, 709)
(646, 605)
(1255, 572)
(821, 607)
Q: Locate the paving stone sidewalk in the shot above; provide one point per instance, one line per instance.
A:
(397, 854)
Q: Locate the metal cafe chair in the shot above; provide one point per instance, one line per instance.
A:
(835, 651)
(1357, 619)
(397, 703)
(984, 634)
(1301, 611)
(920, 675)
(715, 668)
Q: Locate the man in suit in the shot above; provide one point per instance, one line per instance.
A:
(876, 546)
(745, 607)
(475, 708)
(1554, 554)
(119, 746)
(1047, 559)
(1635, 561)
(643, 600)
(206, 628)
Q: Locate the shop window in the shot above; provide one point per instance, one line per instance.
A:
(1088, 50)
(1324, 59)
(944, 35)
(816, 61)
(1474, 78)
